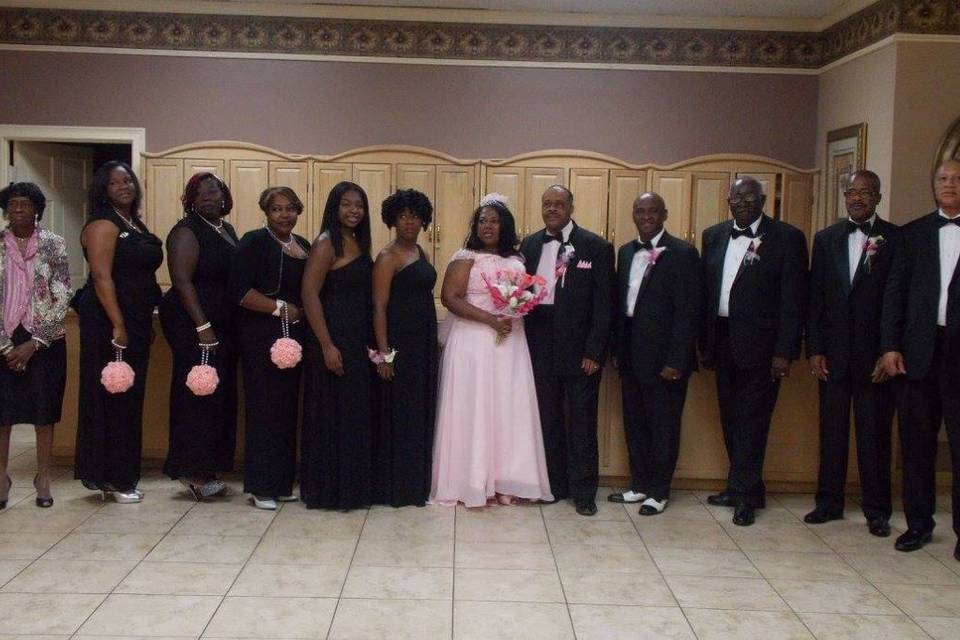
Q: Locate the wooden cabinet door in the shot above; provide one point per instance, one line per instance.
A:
(376, 180)
(589, 187)
(676, 189)
(193, 166)
(325, 175)
(295, 175)
(248, 179)
(769, 183)
(536, 181)
(625, 186)
(163, 188)
(710, 191)
(509, 182)
(423, 178)
(452, 209)
(797, 203)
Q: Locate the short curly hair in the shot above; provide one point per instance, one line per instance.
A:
(24, 190)
(406, 199)
(192, 190)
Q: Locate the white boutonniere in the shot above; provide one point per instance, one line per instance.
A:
(655, 255)
(569, 253)
(870, 247)
(753, 251)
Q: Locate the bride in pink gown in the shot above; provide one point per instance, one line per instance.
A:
(488, 442)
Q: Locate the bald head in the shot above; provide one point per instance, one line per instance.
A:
(654, 198)
(746, 201)
(946, 187)
(649, 214)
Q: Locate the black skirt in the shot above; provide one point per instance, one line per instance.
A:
(34, 395)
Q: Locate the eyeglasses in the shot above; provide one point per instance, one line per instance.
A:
(858, 193)
(749, 198)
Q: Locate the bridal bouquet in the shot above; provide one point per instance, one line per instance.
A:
(515, 293)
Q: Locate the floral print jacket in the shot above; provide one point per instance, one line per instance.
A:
(51, 287)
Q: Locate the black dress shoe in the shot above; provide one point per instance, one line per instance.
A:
(627, 497)
(879, 527)
(744, 516)
(722, 499)
(587, 508)
(821, 515)
(912, 540)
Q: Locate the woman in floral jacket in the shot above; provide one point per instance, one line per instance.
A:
(34, 295)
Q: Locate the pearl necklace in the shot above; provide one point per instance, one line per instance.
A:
(216, 227)
(282, 243)
(128, 221)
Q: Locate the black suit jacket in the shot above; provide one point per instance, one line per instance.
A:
(912, 298)
(768, 297)
(843, 318)
(667, 315)
(582, 304)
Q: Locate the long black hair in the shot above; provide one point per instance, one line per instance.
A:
(331, 218)
(507, 243)
(97, 196)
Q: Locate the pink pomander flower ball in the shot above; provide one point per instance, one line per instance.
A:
(202, 380)
(117, 377)
(286, 353)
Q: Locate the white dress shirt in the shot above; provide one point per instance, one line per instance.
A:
(736, 250)
(638, 269)
(548, 262)
(949, 252)
(855, 245)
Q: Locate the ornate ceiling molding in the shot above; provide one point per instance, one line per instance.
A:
(357, 38)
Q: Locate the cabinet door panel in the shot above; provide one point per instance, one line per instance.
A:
(769, 183)
(423, 178)
(164, 186)
(325, 176)
(248, 179)
(675, 188)
(797, 204)
(376, 180)
(536, 182)
(509, 181)
(452, 210)
(589, 187)
(710, 191)
(193, 166)
(295, 175)
(625, 186)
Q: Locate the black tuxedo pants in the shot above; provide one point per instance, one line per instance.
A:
(873, 407)
(747, 399)
(568, 416)
(927, 404)
(651, 419)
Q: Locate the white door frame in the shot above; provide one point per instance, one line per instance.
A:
(135, 137)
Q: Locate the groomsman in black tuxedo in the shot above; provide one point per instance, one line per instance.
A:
(567, 335)
(657, 320)
(921, 339)
(755, 274)
(850, 265)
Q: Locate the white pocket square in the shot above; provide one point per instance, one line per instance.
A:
(584, 264)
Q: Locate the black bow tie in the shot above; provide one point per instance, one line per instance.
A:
(853, 227)
(550, 238)
(736, 233)
(638, 245)
(944, 221)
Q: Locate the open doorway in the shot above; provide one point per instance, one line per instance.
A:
(61, 161)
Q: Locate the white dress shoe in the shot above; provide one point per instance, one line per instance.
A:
(127, 497)
(213, 488)
(264, 503)
(627, 497)
(652, 506)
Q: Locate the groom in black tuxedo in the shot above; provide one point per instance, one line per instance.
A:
(567, 335)
(850, 265)
(755, 274)
(921, 339)
(657, 319)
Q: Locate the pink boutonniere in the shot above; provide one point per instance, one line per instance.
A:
(753, 251)
(871, 247)
(560, 273)
(655, 255)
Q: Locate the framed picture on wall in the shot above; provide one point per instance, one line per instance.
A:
(846, 152)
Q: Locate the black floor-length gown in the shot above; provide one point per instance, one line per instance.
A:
(336, 456)
(109, 425)
(403, 443)
(271, 395)
(203, 428)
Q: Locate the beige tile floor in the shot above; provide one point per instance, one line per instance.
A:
(171, 568)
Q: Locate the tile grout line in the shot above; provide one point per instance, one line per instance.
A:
(556, 566)
(346, 576)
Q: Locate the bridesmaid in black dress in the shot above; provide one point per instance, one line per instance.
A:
(198, 311)
(116, 312)
(265, 281)
(335, 452)
(405, 325)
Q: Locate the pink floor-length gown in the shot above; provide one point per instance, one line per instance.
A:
(488, 438)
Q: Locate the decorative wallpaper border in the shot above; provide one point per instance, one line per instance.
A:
(485, 42)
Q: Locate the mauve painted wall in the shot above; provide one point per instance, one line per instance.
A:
(468, 112)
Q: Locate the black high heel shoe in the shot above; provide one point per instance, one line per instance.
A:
(43, 503)
(3, 503)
